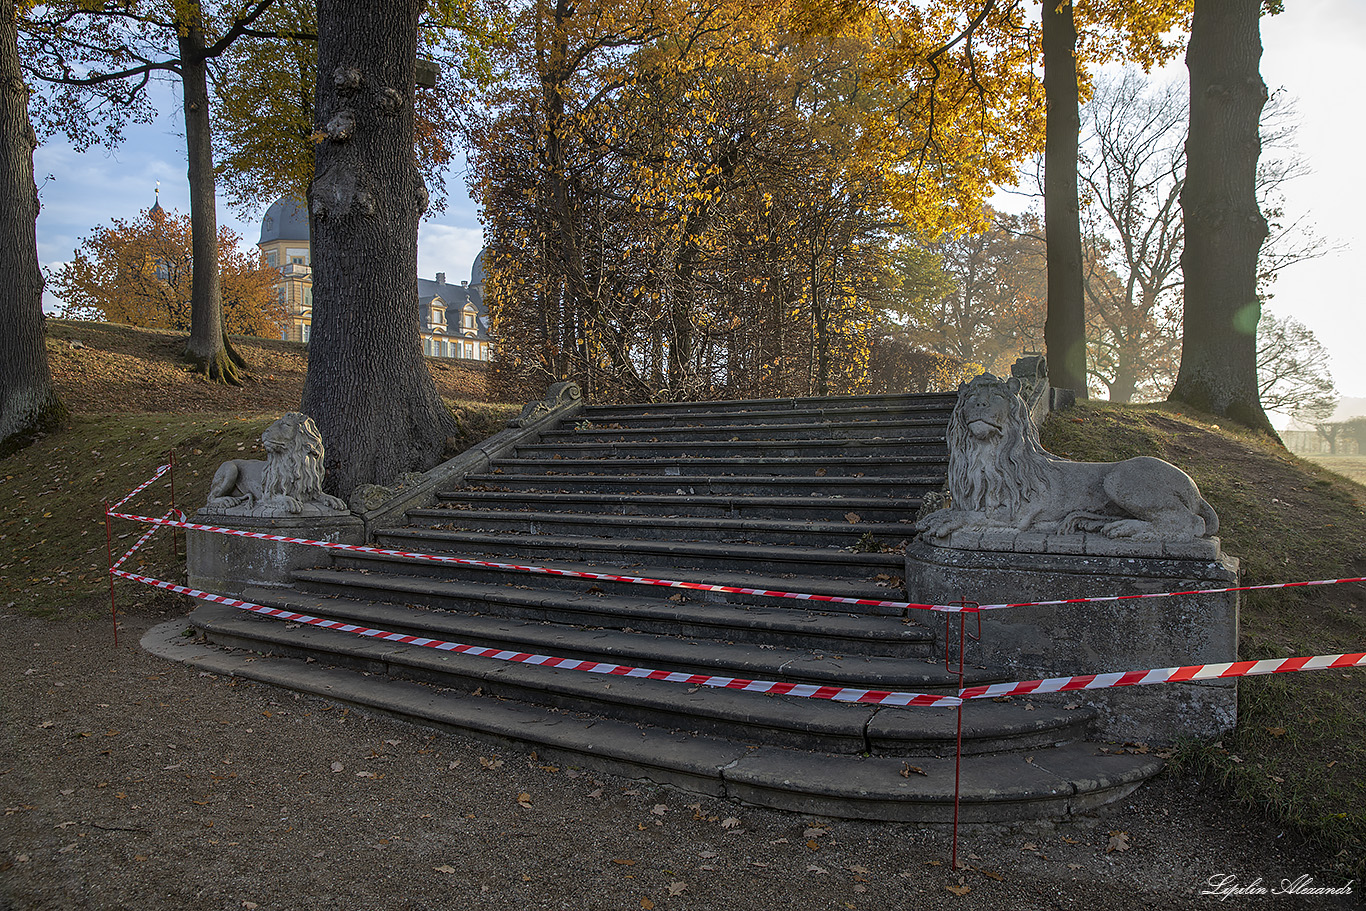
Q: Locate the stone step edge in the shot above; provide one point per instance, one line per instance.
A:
(947, 398)
(910, 504)
(832, 405)
(740, 524)
(767, 553)
(653, 650)
(839, 631)
(928, 428)
(815, 585)
(697, 480)
(788, 721)
(870, 788)
(815, 462)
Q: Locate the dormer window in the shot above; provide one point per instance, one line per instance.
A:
(468, 320)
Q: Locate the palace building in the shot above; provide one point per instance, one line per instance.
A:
(455, 322)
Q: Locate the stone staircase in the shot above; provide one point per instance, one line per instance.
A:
(804, 495)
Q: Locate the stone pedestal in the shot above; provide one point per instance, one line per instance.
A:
(228, 565)
(1068, 639)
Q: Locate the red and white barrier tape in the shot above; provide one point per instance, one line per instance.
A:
(1188, 673)
(807, 690)
(702, 586)
(143, 540)
(141, 487)
(1166, 675)
(544, 570)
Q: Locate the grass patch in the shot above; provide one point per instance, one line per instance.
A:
(1299, 751)
(52, 497)
(1349, 466)
(132, 401)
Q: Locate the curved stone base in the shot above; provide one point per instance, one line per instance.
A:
(1068, 639)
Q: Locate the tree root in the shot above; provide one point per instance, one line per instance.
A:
(48, 416)
(218, 367)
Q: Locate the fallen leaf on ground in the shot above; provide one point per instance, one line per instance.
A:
(960, 891)
(852, 518)
(524, 800)
(338, 767)
(1119, 841)
(646, 904)
(677, 888)
(490, 763)
(444, 868)
(659, 809)
(812, 868)
(730, 822)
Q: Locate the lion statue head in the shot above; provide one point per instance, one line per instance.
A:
(289, 481)
(995, 458)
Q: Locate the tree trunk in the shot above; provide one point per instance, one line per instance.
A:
(1065, 328)
(206, 348)
(28, 403)
(368, 386)
(1224, 228)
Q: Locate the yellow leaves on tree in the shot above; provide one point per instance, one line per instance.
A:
(139, 271)
(687, 202)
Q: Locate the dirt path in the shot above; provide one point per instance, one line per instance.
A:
(131, 782)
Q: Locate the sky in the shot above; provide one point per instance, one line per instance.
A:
(1313, 51)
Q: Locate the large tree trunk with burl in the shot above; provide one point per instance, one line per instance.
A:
(208, 348)
(28, 403)
(368, 387)
(1065, 328)
(1224, 227)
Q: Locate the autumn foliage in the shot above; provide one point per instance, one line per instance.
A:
(138, 271)
(696, 200)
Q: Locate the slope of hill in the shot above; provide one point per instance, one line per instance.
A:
(1300, 749)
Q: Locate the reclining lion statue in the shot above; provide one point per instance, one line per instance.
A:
(288, 482)
(1000, 477)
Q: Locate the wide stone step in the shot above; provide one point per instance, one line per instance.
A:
(792, 508)
(658, 528)
(921, 428)
(1057, 781)
(610, 418)
(828, 488)
(806, 561)
(644, 609)
(567, 636)
(824, 404)
(789, 721)
(737, 449)
(560, 575)
(931, 469)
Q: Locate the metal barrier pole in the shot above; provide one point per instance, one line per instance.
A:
(109, 552)
(963, 638)
(175, 532)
